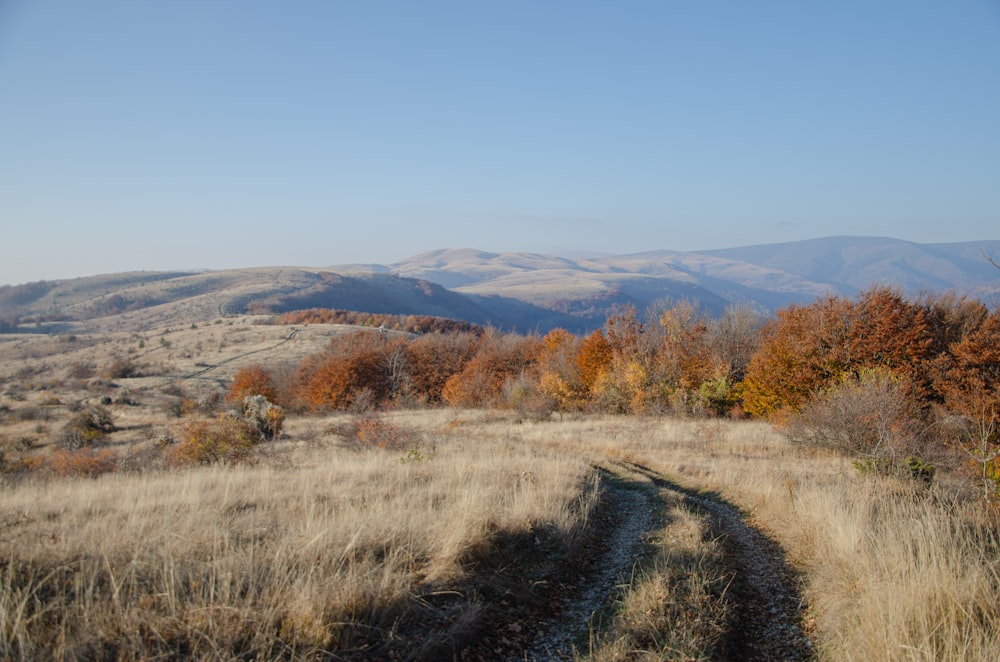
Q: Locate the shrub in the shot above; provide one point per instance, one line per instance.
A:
(227, 440)
(718, 396)
(368, 427)
(252, 380)
(530, 401)
(867, 415)
(265, 417)
(87, 427)
(499, 360)
(351, 365)
(120, 368)
(80, 370)
(83, 462)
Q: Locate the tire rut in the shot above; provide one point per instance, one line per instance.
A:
(766, 607)
(630, 520)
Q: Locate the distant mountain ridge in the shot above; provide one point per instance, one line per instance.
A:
(768, 276)
(514, 290)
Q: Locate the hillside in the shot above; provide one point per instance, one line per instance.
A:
(851, 264)
(766, 277)
(514, 291)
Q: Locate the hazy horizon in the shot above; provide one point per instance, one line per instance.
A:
(210, 136)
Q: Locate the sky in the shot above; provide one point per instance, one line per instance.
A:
(189, 134)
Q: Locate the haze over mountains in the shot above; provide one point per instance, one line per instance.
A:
(524, 291)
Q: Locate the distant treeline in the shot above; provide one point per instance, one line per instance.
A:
(404, 323)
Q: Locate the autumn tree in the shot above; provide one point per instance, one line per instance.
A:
(593, 360)
(432, 359)
(968, 379)
(499, 360)
(628, 380)
(559, 370)
(353, 364)
(802, 349)
(806, 348)
(249, 381)
(973, 377)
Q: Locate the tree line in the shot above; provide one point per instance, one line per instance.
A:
(870, 374)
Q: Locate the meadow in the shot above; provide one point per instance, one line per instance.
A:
(323, 548)
(436, 532)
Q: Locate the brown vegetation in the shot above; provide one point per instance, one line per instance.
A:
(880, 480)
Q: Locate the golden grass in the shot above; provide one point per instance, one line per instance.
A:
(891, 571)
(673, 608)
(319, 548)
(338, 551)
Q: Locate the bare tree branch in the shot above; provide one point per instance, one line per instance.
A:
(992, 260)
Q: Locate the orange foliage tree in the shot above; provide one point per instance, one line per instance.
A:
(792, 360)
(432, 359)
(500, 359)
(968, 380)
(970, 376)
(593, 360)
(354, 364)
(559, 370)
(252, 380)
(806, 348)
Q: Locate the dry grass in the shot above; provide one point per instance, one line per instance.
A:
(335, 550)
(673, 608)
(891, 570)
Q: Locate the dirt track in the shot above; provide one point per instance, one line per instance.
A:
(762, 599)
(766, 607)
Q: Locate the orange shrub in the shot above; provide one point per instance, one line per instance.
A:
(84, 462)
(353, 364)
(227, 440)
(593, 359)
(432, 359)
(252, 380)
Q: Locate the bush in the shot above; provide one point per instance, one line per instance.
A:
(265, 417)
(87, 427)
(369, 427)
(227, 440)
(121, 368)
(867, 415)
(231, 438)
(84, 462)
(717, 396)
(252, 380)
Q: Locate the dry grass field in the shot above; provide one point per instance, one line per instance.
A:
(477, 536)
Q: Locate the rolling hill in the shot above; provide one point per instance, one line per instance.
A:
(522, 291)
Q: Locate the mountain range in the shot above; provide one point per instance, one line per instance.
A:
(515, 290)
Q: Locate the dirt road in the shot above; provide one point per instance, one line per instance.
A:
(764, 607)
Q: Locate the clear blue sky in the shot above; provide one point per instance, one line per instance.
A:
(186, 134)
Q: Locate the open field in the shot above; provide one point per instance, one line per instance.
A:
(475, 535)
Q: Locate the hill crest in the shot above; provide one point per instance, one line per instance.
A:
(514, 290)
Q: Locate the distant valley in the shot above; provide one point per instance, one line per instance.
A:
(518, 291)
